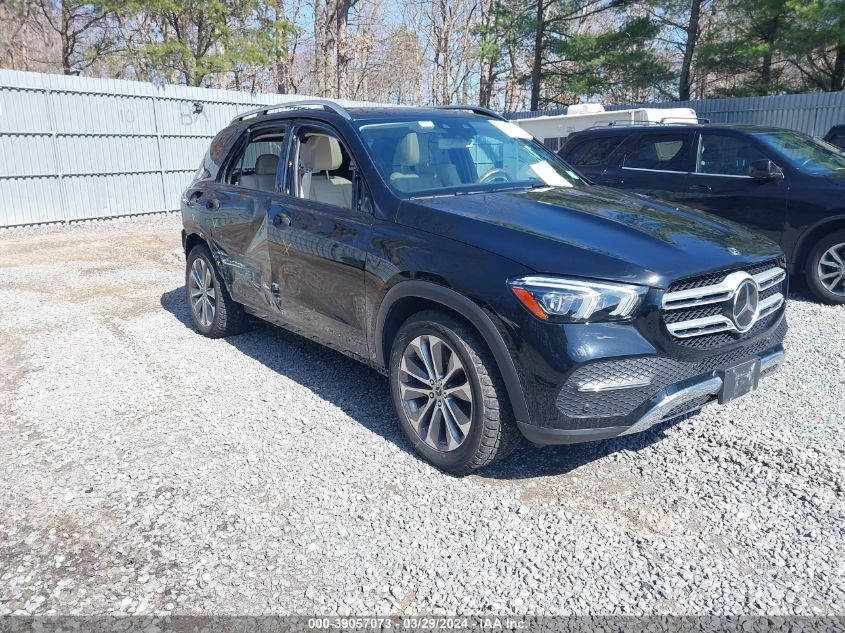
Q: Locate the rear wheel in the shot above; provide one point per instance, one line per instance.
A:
(213, 311)
(826, 268)
(448, 395)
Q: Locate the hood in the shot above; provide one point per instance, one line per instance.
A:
(591, 231)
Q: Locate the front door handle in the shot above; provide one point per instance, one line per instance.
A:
(281, 219)
(610, 181)
(701, 188)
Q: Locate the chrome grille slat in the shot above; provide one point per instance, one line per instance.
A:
(698, 311)
(722, 291)
(719, 322)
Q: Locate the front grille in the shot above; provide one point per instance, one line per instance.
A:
(697, 310)
(662, 371)
(715, 277)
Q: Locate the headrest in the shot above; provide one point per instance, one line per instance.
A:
(266, 164)
(408, 151)
(321, 153)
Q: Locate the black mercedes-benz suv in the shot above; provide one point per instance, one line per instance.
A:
(499, 292)
(783, 184)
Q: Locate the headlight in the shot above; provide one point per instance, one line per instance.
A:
(573, 300)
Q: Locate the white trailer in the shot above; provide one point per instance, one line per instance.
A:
(553, 130)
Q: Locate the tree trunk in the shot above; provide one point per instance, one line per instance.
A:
(66, 39)
(766, 73)
(537, 64)
(837, 80)
(685, 79)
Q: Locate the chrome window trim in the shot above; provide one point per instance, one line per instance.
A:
(656, 171)
(701, 173)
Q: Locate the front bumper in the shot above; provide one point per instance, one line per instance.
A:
(671, 402)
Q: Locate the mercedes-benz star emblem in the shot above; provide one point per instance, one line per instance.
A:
(746, 301)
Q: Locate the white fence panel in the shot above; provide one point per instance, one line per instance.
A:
(813, 113)
(74, 148)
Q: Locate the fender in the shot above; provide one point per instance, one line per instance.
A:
(803, 245)
(186, 233)
(475, 315)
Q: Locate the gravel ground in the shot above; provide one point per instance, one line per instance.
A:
(146, 469)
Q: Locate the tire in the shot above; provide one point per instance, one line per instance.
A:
(218, 314)
(822, 264)
(480, 431)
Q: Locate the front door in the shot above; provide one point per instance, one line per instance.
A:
(721, 185)
(317, 234)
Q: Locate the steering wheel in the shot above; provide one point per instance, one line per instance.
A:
(490, 173)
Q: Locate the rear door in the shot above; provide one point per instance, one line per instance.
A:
(239, 206)
(318, 230)
(720, 183)
(654, 164)
(589, 154)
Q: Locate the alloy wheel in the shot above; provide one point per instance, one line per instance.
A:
(435, 392)
(831, 269)
(201, 292)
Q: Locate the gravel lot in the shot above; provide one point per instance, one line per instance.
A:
(146, 469)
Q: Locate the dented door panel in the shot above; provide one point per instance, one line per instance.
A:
(238, 231)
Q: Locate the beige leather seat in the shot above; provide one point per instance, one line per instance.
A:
(320, 155)
(414, 169)
(265, 174)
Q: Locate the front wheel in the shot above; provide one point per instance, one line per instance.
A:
(448, 394)
(826, 268)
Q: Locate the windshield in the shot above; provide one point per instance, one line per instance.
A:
(458, 154)
(805, 153)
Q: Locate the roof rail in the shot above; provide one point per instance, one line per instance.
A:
(669, 120)
(682, 119)
(306, 103)
(474, 109)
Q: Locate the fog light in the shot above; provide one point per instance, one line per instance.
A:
(614, 384)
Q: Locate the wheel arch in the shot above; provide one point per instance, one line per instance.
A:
(409, 297)
(812, 235)
(192, 239)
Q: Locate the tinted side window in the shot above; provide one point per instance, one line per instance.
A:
(726, 155)
(838, 139)
(665, 152)
(592, 151)
(255, 167)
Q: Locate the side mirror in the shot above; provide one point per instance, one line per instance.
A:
(764, 169)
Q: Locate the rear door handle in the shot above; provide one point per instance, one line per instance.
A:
(701, 188)
(281, 219)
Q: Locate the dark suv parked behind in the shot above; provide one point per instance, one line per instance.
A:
(498, 291)
(786, 185)
(836, 136)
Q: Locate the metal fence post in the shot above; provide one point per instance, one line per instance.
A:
(54, 142)
(160, 156)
